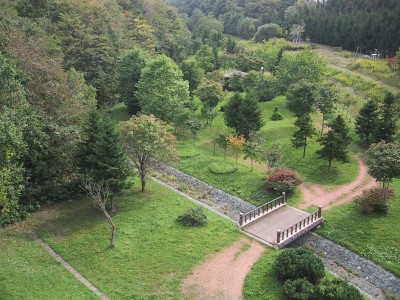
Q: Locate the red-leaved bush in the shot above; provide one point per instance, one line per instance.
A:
(283, 180)
(375, 200)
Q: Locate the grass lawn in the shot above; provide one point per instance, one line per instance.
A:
(261, 283)
(376, 237)
(27, 271)
(198, 155)
(153, 252)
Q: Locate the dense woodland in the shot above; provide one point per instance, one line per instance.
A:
(63, 64)
(370, 25)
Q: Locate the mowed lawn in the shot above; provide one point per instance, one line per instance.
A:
(375, 236)
(28, 272)
(153, 252)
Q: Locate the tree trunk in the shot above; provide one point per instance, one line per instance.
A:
(112, 203)
(304, 148)
(225, 154)
(143, 179)
(214, 146)
(322, 127)
(110, 222)
(330, 163)
(251, 166)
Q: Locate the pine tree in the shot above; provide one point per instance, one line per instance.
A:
(367, 120)
(103, 157)
(339, 126)
(386, 128)
(306, 130)
(333, 147)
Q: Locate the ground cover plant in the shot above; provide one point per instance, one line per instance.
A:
(153, 252)
(376, 239)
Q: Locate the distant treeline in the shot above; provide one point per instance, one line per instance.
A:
(368, 24)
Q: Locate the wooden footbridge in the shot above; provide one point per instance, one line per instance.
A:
(278, 223)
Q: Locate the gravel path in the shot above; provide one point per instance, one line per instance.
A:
(70, 269)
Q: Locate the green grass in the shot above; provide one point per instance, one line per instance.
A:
(28, 272)
(261, 283)
(248, 184)
(376, 236)
(153, 251)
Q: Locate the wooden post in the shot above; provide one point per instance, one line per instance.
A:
(319, 212)
(278, 236)
(284, 197)
(241, 219)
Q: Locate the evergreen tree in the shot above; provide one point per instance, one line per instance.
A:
(386, 128)
(129, 70)
(306, 130)
(232, 111)
(102, 154)
(333, 147)
(367, 120)
(327, 97)
(244, 115)
(339, 126)
(302, 97)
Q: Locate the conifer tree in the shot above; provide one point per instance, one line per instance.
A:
(386, 128)
(102, 154)
(367, 120)
(306, 130)
(339, 126)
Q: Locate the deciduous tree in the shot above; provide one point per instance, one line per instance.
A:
(253, 151)
(384, 162)
(148, 143)
(236, 143)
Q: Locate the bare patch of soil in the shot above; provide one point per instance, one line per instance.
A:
(318, 195)
(221, 275)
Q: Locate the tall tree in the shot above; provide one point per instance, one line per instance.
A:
(148, 143)
(253, 151)
(338, 125)
(205, 58)
(384, 162)
(243, 114)
(129, 71)
(367, 120)
(306, 131)
(326, 99)
(103, 157)
(236, 143)
(210, 93)
(386, 127)
(333, 148)
(162, 91)
(302, 97)
(193, 73)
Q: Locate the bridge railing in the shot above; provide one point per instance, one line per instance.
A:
(247, 218)
(286, 236)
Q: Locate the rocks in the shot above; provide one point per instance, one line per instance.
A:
(219, 200)
(370, 278)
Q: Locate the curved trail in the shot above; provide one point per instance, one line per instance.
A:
(315, 194)
(221, 276)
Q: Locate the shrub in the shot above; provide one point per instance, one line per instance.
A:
(375, 200)
(299, 263)
(222, 168)
(276, 116)
(336, 289)
(195, 216)
(283, 180)
(298, 289)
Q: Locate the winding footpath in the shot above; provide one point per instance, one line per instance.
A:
(318, 195)
(368, 277)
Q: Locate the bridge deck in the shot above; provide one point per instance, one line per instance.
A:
(266, 227)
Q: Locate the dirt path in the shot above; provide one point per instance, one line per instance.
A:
(221, 276)
(318, 195)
